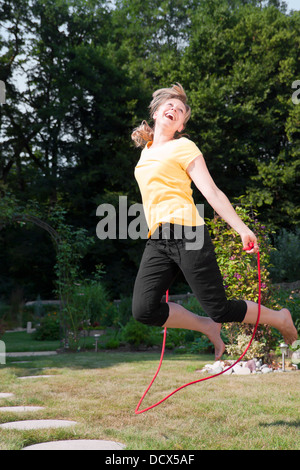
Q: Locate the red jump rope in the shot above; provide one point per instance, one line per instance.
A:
(137, 411)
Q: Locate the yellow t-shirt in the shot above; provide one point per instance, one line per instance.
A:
(166, 186)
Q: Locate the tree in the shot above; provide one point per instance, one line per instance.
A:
(239, 65)
(13, 17)
(67, 136)
(90, 69)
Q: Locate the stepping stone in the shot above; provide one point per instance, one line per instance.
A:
(38, 424)
(77, 445)
(35, 377)
(22, 409)
(6, 395)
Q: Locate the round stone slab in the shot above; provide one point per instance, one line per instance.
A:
(77, 445)
(36, 377)
(38, 424)
(22, 409)
(6, 395)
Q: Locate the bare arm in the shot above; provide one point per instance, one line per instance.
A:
(199, 173)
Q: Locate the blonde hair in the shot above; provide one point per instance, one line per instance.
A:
(144, 133)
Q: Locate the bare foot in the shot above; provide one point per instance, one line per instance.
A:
(214, 336)
(288, 329)
(179, 317)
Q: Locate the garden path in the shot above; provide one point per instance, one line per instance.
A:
(79, 444)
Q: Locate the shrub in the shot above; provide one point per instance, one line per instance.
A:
(49, 328)
(112, 344)
(239, 270)
(123, 311)
(256, 349)
(90, 302)
(285, 260)
(201, 345)
(193, 305)
(136, 334)
(290, 300)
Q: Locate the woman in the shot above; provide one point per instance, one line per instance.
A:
(167, 166)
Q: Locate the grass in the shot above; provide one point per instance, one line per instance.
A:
(100, 391)
(20, 341)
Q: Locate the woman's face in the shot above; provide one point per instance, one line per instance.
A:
(171, 114)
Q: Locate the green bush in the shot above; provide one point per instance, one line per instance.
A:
(238, 268)
(290, 300)
(123, 311)
(201, 345)
(89, 306)
(49, 328)
(236, 350)
(285, 260)
(239, 271)
(89, 300)
(137, 334)
(112, 343)
(193, 305)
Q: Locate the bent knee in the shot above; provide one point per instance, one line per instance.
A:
(231, 311)
(152, 316)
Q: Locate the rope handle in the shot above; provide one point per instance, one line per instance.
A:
(137, 411)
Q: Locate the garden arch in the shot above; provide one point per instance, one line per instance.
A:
(56, 238)
(71, 245)
(36, 221)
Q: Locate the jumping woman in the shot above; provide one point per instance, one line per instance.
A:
(168, 164)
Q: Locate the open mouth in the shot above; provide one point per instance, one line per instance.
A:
(169, 116)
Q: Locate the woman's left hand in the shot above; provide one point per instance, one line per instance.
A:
(249, 241)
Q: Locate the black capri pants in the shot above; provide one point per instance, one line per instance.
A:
(165, 254)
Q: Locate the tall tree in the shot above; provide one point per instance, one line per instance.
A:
(90, 68)
(71, 125)
(13, 18)
(239, 67)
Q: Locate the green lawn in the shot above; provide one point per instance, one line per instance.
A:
(100, 391)
(21, 341)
